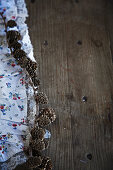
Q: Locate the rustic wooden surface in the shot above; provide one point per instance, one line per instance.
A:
(73, 45)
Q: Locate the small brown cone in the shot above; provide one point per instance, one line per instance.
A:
(37, 133)
(43, 121)
(49, 165)
(11, 23)
(46, 141)
(36, 153)
(35, 80)
(16, 45)
(41, 98)
(20, 56)
(34, 162)
(13, 36)
(38, 144)
(46, 163)
(49, 112)
(34, 65)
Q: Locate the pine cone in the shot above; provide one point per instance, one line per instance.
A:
(30, 71)
(34, 65)
(43, 121)
(19, 54)
(49, 112)
(41, 98)
(31, 67)
(34, 162)
(13, 36)
(37, 144)
(36, 153)
(22, 62)
(28, 63)
(16, 45)
(46, 163)
(35, 80)
(11, 23)
(46, 141)
(37, 133)
(49, 165)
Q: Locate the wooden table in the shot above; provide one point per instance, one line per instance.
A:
(73, 44)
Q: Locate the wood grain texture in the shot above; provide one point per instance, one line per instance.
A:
(72, 42)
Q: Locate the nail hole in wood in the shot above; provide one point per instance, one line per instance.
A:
(45, 43)
(79, 42)
(84, 99)
(89, 156)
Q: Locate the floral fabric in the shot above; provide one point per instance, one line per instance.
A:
(13, 94)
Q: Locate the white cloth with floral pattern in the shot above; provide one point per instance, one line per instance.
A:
(13, 96)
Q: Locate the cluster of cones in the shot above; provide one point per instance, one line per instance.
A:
(39, 162)
(47, 115)
(13, 38)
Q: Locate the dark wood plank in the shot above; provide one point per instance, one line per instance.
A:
(71, 40)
